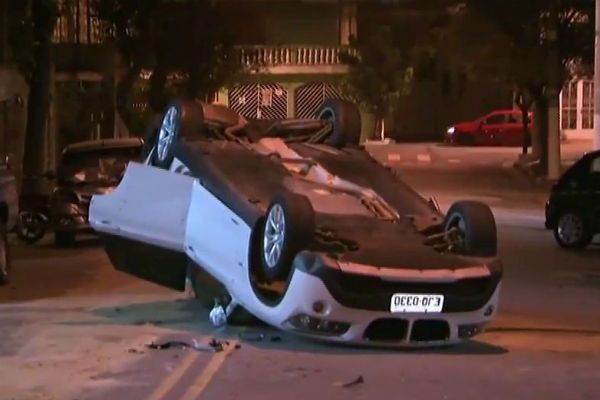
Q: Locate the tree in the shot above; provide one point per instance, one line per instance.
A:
(532, 44)
(30, 36)
(189, 39)
(379, 73)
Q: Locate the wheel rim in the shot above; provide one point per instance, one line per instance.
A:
(460, 226)
(570, 229)
(274, 236)
(32, 226)
(166, 133)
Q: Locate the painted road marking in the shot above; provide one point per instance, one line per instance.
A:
(169, 383)
(424, 158)
(393, 157)
(213, 366)
(454, 161)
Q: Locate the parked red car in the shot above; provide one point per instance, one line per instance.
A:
(498, 128)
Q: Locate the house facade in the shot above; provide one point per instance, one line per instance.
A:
(577, 109)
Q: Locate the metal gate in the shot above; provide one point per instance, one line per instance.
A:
(310, 96)
(259, 101)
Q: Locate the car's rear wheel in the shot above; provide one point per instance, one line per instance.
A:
(345, 119)
(4, 257)
(571, 231)
(64, 239)
(182, 118)
(465, 139)
(288, 228)
(471, 228)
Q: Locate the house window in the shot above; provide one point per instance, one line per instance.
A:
(587, 107)
(569, 106)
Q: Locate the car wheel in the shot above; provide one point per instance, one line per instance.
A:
(31, 226)
(64, 239)
(346, 121)
(182, 118)
(288, 228)
(571, 231)
(4, 256)
(206, 288)
(465, 140)
(471, 228)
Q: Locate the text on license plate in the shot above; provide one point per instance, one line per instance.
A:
(417, 303)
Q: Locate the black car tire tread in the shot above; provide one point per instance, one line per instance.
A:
(585, 239)
(347, 123)
(481, 233)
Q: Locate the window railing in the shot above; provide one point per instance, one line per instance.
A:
(290, 55)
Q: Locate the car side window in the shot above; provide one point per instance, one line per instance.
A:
(495, 119)
(515, 118)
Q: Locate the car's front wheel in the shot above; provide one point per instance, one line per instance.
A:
(288, 228)
(571, 231)
(4, 258)
(471, 229)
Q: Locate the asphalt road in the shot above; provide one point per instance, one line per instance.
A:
(73, 328)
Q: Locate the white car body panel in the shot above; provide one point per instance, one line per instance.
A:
(150, 205)
(174, 211)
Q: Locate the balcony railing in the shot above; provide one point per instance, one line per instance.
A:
(272, 56)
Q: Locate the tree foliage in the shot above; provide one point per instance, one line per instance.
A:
(189, 39)
(379, 73)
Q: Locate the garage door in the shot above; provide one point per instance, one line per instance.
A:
(259, 101)
(309, 98)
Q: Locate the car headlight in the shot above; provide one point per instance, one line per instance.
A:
(451, 130)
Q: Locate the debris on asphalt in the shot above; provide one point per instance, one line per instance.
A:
(217, 345)
(213, 346)
(135, 351)
(237, 346)
(357, 381)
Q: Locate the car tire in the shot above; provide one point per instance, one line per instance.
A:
(465, 140)
(288, 228)
(476, 228)
(206, 288)
(5, 264)
(346, 121)
(182, 118)
(31, 226)
(571, 231)
(64, 239)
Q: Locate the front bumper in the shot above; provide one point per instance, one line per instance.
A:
(376, 328)
(324, 301)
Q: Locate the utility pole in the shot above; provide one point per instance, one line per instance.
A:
(597, 81)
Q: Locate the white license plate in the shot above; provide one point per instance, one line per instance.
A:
(416, 303)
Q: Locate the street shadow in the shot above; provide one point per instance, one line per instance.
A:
(188, 317)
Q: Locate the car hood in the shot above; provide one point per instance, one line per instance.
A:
(469, 126)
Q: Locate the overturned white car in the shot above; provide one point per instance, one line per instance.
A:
(297, 224)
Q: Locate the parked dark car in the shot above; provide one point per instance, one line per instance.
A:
(85, 169)
(498, 128)
(9, 209)
(573, 210)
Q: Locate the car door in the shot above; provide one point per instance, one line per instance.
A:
(592, 188)
(491, 127)
(512, 132)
